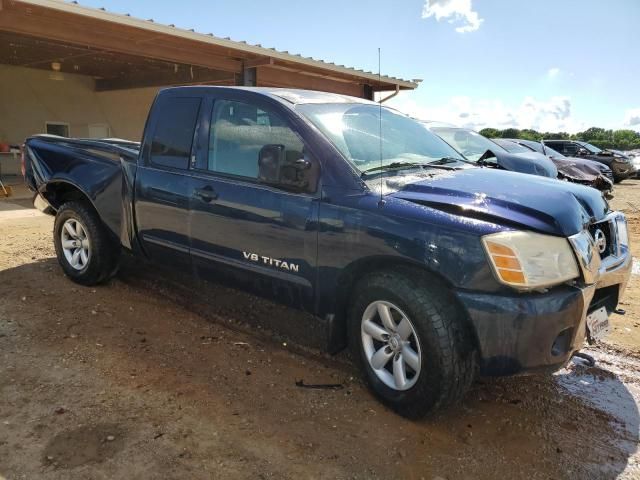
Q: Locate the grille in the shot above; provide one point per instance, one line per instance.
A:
(607, 229)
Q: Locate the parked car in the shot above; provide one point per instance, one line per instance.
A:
(431, 271)
(485, 152)
(634, 157)
(540, 147)
(621, 165)
(585, 172)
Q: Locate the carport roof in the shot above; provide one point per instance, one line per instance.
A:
(40, 18)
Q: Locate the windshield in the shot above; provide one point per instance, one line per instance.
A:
(471, 144)
(512, 147)
(538, 147)
(591, 148)
(355, 130)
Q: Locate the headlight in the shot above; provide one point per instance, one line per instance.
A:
(527, 260)
(623, 234)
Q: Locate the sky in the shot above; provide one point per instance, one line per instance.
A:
(551, 65)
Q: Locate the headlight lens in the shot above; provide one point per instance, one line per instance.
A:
(623, 234)
(527, 260)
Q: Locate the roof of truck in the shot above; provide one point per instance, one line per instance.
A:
(290, 95)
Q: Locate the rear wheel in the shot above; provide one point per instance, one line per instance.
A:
(85, 251)
(411, 341)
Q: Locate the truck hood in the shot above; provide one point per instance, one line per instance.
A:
(506, 198)
(576, 168)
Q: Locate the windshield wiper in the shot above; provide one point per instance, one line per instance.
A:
(392, 166)
(445, 160)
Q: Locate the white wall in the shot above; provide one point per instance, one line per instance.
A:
(29, 98)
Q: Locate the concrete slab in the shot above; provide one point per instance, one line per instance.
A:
(11, 211)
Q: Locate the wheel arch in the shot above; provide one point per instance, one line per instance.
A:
(59, 192)
(349, 277)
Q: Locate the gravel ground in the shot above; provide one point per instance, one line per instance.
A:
(135, 379)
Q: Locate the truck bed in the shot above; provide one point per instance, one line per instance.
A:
(54, 165)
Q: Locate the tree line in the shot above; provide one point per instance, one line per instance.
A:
(600, 137)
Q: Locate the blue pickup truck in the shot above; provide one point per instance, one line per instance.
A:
(430, 269)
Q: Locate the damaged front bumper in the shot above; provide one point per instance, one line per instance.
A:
(540, 331)
(622, 169)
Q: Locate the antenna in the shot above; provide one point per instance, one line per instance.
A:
(380, 128)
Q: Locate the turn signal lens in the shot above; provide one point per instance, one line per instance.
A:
(497, 249)
(23, 163)
(506, 263)
(511, 263)
(511, 276)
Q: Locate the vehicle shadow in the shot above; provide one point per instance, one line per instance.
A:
(581, 423)
(229, 306)
(525, 409)
(11, 203)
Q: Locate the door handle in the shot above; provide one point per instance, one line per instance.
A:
(206, 194)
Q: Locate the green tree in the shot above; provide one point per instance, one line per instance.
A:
(600, 137)
(490, 132)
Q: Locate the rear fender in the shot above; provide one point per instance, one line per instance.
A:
(63, 170)
(60, 191)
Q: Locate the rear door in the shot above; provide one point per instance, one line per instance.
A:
(260, 235)
(162, 192)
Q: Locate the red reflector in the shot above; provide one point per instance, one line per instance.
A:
(23, 164)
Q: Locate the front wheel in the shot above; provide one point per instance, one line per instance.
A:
(411, 341)
(85, 251)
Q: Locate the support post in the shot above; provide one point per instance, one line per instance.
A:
(249, 76)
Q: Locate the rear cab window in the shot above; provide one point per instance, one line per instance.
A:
(174, 132)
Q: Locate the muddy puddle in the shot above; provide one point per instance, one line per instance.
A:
(611, 386)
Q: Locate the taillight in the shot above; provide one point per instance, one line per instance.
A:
(23, 163)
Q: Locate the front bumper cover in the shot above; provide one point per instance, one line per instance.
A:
(622, 169)
(531, 332)
(518, 333)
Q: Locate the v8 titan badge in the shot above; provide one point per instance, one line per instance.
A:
(598, 323)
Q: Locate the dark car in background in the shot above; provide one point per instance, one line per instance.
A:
(620, 164)
(577, 170)
(482, 151)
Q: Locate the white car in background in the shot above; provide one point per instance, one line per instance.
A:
(635, 159)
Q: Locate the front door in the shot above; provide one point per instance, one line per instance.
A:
(257, 233)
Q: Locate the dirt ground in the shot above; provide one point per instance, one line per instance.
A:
(127, 381)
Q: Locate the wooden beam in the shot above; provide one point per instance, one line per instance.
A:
(257, 62)
(375, 84)
(48, 24)
(272, 77)
(184, 76)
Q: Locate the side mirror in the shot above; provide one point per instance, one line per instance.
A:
(289, 170)
(583, 151)
(486, 155)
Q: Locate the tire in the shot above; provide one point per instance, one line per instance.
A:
(100, 259)
(440, 337)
